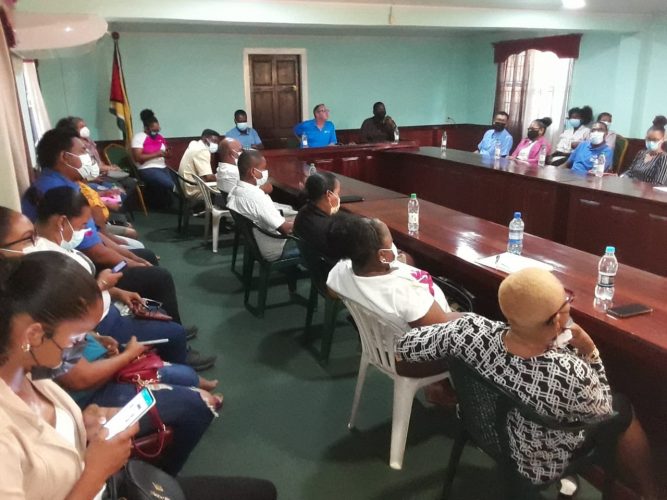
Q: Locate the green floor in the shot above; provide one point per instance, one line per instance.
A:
(285, 416)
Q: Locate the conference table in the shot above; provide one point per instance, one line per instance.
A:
(450, 243)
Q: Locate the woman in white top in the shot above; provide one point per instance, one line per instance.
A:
(575, 132)
(372, 275)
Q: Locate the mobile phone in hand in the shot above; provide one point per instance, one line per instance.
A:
(129, 414)
(119, 267)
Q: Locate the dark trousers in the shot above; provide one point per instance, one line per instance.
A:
(152, 283)
(159, 187)
(227, 488)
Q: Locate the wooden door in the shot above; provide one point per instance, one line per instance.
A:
(275, 93)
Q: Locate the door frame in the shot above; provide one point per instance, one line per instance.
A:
(303, 68)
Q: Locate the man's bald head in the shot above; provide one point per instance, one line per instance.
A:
(229, 150)
(249, 160)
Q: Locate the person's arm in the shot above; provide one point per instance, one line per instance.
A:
(202, 165)
(508, 141)
(103, 256)
(299, 129)
(333, 140)
(122, 253)
(256, 141)
(364, 135)
(286, 227)
(429, 343)
(434, 315)
(140, 157)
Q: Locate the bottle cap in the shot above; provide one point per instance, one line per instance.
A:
(517, 215)
(610, 250)
(413, 196)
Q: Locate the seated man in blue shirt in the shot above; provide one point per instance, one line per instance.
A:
(496, 134)
(246, 135)
(583, 157)
(319, 132)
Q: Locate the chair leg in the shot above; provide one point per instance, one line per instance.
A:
(140, 195)
(361, 377)
(248, 268)
(404, 394)
(263, 289)
(216, 231)
(235, 247)
(454, 459)
(312, 305)
(179, 228)
(207, 225)
(330, 314)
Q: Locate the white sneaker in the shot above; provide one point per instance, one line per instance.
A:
(569, 486)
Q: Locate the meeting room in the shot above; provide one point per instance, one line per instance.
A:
(219, 218)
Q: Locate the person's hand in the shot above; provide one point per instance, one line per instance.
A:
(105, 457)
(138, 263)
(104, 168)
(109, 343)
(167, 153)
(107, 279)
(127, 297)
(134, 349)
(390, 122)
(267, 187)
(581, 340)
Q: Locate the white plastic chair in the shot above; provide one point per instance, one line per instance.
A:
(377, 348)
(213, 213)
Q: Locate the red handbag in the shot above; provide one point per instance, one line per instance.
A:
(143, 370)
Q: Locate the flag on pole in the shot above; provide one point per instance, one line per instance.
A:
(119, 104)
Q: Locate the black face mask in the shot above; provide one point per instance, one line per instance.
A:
(379, 116)
(70, 357)
(498, 127)
(532, 134)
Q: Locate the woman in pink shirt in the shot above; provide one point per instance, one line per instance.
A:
(528, 149)
(149, 149)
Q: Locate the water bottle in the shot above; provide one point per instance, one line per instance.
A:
(304, 140)
(598, 165)
(397, 136)
(542, 158)
(607, 267)
(515, 240)
(497, 150)
(443, 141)
(413, 214)
(312, 169)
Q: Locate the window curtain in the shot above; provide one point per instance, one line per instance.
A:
(512, 91)
(13, 159)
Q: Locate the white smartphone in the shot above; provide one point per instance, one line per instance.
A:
(131, 412)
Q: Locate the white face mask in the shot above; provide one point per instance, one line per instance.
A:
(242, 126)
(335, 208)
(84, 133)
(75, 240)
(89, 169)
(265, 177)
(608, 124)
(41, 245)
(394, 251)
(597, 138)
(213, 147)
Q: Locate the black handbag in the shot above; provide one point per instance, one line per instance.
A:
(142, 481)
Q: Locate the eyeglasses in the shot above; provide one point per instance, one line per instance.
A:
(32, 238)
(569, 298)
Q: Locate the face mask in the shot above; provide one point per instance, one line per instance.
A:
(84, 132)
(574, 122)
(153, 133)
(394, 251)
(242, 126)
(380, 115)
(70, 357)
(532, 134)
(335, 208)
(89, 169)
(75, 241)
(608, 124)
(41, 245)
(262, 180)
(597, 138)
(213, 148)
(652, 145)
(498, 127)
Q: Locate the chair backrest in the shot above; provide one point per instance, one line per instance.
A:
(179, 182)
(317, 264)
(245, 226)
(377, 335)
(458, 297)
(205, 192)
(116, 154)
(620, 149)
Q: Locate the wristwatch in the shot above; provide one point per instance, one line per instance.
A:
(593, 357)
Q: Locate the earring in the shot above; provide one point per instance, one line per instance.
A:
(25, 347)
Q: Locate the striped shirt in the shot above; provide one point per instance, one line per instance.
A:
(654, 170)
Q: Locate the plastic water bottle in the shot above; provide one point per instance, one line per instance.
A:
(497, 150)
(312, 169)
(304, 141)
(542, 158)
(397, 136)
(598, 165)
(515, 240)
(607, 268)
(443, 141)
(413, 214)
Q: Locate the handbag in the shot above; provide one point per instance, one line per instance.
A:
(142, 311)
(142, 370)
(142, 481)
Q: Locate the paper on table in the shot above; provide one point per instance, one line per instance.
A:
(660, 188)
(510, 263)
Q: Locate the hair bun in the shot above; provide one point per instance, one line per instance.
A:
(547, 121)
(146, 114)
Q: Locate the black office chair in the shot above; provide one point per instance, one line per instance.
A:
(252, 254)
(185, 205)
(458, 297)
(483, 408)
(318, 267)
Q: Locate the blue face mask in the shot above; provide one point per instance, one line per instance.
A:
(574, 122)
(652, 145)
(70, 357)
(242, 126)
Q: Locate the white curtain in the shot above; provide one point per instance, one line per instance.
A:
(549, 80)
(35, 116)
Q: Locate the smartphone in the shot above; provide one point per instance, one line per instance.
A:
(131, 412)
(151, 342)
(119, 267)
(565, 336)
(628, 310)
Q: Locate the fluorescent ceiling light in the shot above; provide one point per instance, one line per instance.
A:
(68, 29)
(574, 4)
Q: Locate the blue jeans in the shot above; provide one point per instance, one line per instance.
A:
(159, 186)
(179, 375)
(180, 408)
(290, 250)
(122, 328)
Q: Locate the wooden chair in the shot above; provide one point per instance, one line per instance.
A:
(116, 154)
(620, 149)
(483, 409)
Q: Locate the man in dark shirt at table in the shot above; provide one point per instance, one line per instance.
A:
(314, 218)
(378, 128)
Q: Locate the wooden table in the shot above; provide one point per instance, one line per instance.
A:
(634, 350)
